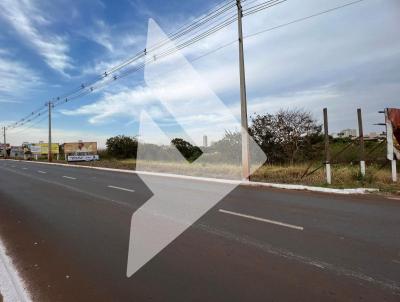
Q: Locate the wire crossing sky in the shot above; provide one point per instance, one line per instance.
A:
(305, 54)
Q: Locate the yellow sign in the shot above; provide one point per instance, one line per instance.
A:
(43, 148)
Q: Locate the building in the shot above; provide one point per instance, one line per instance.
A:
(17, 152)
(2, 147)
(205, 141)
(347, 133)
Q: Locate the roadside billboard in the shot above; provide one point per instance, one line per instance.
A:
(82, 157)
(81, 147)
(393, 132)
(43, 148)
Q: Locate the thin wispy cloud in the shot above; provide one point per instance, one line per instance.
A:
(29, 21)
(17, 79)
(320, 62)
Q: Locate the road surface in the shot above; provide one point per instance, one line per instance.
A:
(67, 230)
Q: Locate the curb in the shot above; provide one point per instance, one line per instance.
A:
(226, 181)
(12, 285)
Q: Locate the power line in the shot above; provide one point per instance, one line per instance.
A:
(218, 11)
(304, 18)
(100, 83)
(30, 126)
(262, 6)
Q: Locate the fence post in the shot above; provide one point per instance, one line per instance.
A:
(362, 147)
(394, 170)
(327, 151)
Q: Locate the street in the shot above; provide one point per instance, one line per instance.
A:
(67, 230)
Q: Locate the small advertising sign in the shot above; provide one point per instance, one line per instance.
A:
(82, 157)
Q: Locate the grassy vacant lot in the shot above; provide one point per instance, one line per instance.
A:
(343, 176)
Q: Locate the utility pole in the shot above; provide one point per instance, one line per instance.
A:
(390, 147)
(327, 151)
(243, 100)
(361, 137)
(50, 104)
(5, 143)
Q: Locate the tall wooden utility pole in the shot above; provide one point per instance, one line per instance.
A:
(361, 138)
(327, 151)
(49, 147)
(243, 99)
(5, 143)
(390, 146)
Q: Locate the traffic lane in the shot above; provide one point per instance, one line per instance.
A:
(344, 216)
(376, 222)
(84, 185)
(342, 224)
(368, 219)
(78, 239)
(343, 253)
(198, 266)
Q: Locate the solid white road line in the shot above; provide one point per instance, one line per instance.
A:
(42, 172)
(263, 220)
(68, 177)
(123, 189)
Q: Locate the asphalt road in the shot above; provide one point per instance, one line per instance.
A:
(67, 230)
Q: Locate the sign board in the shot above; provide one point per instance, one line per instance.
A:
(82, 157)
(81, 147)
(392, 116)
(43, 148)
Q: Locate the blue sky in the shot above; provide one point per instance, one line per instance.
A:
(343, 60)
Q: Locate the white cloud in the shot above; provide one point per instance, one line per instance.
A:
(30, 23)
(16, 78)
(126, 103)
(342, 60)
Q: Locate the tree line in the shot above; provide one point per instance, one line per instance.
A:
(287, 136)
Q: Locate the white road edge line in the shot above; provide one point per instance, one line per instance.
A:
(123, 189)
(263, 220)
(42, 172)
(69, 177)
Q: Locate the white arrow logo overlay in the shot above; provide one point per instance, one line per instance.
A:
(177, 203)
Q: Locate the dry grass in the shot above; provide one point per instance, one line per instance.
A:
(343, 176)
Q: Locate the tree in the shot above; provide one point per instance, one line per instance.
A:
(122, 146)
(190, 152)
(229, 147)
(287, 135)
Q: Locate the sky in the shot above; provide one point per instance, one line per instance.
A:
(343, 60)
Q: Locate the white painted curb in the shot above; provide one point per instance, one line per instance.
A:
(226, 181)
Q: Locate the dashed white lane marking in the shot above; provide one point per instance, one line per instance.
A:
(42, 172)
(123, 189)
(263, 220)
(69, 177)
(24, 168)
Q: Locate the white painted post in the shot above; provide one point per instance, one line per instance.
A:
(362, 168)
(327, 151)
